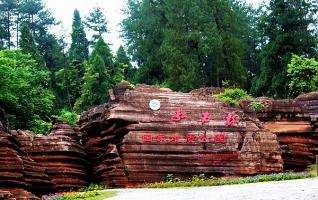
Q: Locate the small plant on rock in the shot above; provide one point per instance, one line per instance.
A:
(232, 96)
(256, 106)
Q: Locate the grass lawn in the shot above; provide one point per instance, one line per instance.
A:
(89, 195)
(198, 181)
(102, 195)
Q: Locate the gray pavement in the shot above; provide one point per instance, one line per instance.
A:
(304, 189)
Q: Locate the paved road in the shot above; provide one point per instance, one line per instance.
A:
(305, 189)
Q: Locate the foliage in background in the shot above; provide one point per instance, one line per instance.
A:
(28, 46)
(79, 46)
(67, 116)
(303, 75)
(286, 26)
(203, 47)
(24, 91)
(143, 32)
(199, 181)
(96, 22)
(232, 96)
(125, 70)
(201, 43)
(97, 79)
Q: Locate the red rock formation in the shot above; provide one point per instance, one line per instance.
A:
(61, 128)
(129, 143)
(293, 127)
(5, 195)
(14, 168)
(64, 158)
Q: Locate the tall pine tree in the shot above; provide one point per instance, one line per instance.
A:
(79, 45)
(97, 79)
(96, 22)
(123, 62)
(28, 46)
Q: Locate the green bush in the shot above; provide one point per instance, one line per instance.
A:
(232, 96)
(256, 106)
(303, 75)
(67, 116)
(93, 187)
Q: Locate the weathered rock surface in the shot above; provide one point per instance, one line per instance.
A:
(5, 195)
(129, 143)
(15, 169)
(64, 158)
(293, 126)
(61, 128)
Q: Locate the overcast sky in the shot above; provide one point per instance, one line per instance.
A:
(63, 11)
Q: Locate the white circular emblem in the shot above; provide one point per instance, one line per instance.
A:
(154, 104)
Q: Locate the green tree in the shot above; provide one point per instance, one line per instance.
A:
(287, 30)
(143, 30)
(8, 9)
(79, 46)
(198, 44)
(28, 46)
(96, 22)
(97, 80)
(302, 75)
(179, 48)
(123, 63)
(23, 91)
(69, 81)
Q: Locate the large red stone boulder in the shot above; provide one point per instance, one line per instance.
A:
(63, 157)
(129, 143)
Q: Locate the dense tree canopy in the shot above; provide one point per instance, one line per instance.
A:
(287, 28)
(181, 44)
(24, 90)
(201, 48)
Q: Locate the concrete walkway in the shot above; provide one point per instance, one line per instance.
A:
(304, 189)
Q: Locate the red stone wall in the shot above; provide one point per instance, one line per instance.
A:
(294, 122)
(115, 141)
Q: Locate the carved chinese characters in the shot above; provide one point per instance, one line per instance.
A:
(189, 138)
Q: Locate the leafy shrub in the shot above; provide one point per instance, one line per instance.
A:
(24, 95)
(172, 179)
(232, 96)
(303, 75)
(67, 116)
(93, 187)
(39, 126)
(256, 106)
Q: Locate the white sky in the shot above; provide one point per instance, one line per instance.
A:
(63, 10)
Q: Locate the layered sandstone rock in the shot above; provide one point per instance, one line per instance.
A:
(61, 128)
(293, 128)
(63, 157)
(15, 169)
(190, 134)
